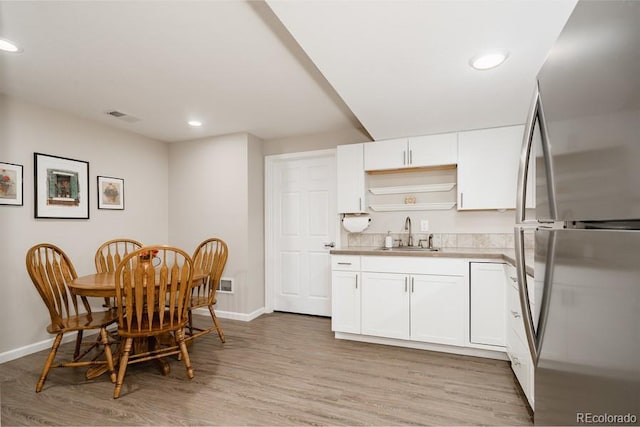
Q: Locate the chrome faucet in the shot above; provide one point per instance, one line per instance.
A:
(407, 226)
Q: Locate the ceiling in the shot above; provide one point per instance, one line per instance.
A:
(280, 68)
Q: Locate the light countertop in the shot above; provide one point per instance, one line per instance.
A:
(503, 254)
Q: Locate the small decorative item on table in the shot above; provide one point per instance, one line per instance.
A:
(410, 200)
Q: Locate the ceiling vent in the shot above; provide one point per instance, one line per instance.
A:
(122, 116)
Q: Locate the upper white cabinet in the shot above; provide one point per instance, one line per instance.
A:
(421, 151)
(488, 167)
(350, 169)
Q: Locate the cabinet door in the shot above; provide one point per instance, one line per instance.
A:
(433, 150)
(385, 305)
(438, 309)
(345, 301)
(390, 154)
(350, 169)
(488, 168)
(488, 304)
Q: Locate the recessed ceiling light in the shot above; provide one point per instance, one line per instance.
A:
(195, 123)
(8, 46)
(488, 61)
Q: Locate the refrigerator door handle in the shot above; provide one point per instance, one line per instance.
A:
(523, 292)
(535, 112)
(535, 337)
(525, 154)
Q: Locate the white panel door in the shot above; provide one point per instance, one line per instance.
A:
(305, 198)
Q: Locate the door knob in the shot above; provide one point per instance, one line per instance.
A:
(330, 245)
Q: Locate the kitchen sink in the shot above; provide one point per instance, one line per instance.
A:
(410, 248)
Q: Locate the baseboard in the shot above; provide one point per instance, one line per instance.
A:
(26, 350)
(245, 317)
(71, 336)
(467, 351)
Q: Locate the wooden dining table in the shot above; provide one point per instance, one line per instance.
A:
(103, 285)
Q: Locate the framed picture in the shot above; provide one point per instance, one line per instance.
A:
(11, 187)
(61, 187)
(110, 193)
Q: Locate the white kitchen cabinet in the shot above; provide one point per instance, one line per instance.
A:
(517, 346)
(350, 174)
(488, 167)
(488, 303)
(385, 305)
(437, 307)
(345, 293)
(433, 150)
(421, 151)
(400, 302)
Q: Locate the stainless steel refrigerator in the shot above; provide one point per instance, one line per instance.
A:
(582, 147)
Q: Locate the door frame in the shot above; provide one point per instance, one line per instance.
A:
(270, 191)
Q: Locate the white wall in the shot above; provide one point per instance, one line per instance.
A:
(215, 189)
(142, 163)
(318, 141)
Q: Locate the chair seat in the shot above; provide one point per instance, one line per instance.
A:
(95, 320)
(200, 301)
(155, 329)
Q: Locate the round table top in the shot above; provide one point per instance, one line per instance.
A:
(104, 284)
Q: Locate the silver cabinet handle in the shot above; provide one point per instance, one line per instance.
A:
(410, 157)
(405, 284)
(412, 285)
(356, 281)
(360, 202)
(461, 200)
(404, 157)
(344, 263)
(330, 245)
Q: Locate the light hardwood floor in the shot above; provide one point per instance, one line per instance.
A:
(280, 369)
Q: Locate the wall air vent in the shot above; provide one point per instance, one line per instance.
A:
(123, 116)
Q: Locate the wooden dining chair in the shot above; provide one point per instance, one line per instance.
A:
(153, 285)
(209, 257)
(51, 271)
(109, 255)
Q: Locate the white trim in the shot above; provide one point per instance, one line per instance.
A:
(489, 354)
(26, 350)
(245, 317)
(270, 215)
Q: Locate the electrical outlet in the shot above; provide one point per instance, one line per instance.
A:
(424, 225)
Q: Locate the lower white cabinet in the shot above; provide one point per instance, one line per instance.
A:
(345, 293)
(385, 305)
(488, 303)
(418, 307)
(345, 301)
(517, 346)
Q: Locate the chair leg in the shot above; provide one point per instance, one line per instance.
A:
(49, 362)
(108, 355)
(217, 325)
(76, 352)
(124, 359)
(190, 322)
(184, 353)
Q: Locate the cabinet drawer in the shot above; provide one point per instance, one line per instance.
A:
(521, 364)
(345, 262)
(414, 265)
